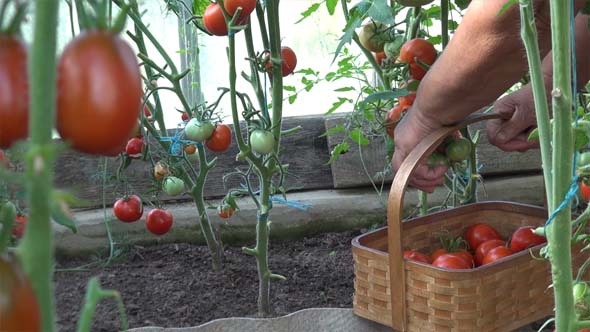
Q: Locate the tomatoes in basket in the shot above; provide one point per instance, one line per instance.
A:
(159, 221)
(128, 209)
(14, 91)
(524, 238)
(496, 254)
(417, 256)
(220, 140)
(99, 93)
(485, 247)
(477, 234)
(19, 309)
(450, 261)
(461, 253)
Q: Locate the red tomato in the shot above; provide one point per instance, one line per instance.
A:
(146, 111)
(495, 254)
(585, 191)
(461, 253)
(19, 308)
(220, 140)
(14, 91)
(379, 57)
(190, 149)
(479, 233)
(417, 256)
(128, 209)
(485, 247)
(417, 49)
(134, 148)
(225, 211)
(159, 221)
(392, 118)
(407, 100)
(20, 223)
(417, 72)
(288, 61)
(524, 238)
(214, 20)
(184, 116)
(449, 261)
(248, 7)
(99, 93)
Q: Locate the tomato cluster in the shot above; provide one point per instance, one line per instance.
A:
(214, 20)
(483, 245)
(130, 209)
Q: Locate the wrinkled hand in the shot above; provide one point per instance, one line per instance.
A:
(511, 133)
(408, 133)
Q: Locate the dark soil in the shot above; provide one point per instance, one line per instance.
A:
(173, 285)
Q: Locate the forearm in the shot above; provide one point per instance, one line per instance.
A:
(484, 58)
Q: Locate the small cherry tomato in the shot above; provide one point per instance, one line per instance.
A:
(247, 6)
(214, 20)
(159, 221)
(479, 233)
(458, 149)
(19, 308)
(173, 186)
(184, 116)
(14, 91)
(128, 209)
(288, 61)
(585, 191)
(524, 238)
(134, 148)
(417, 256)
(262, 141)
(392, 118)
(161, 170)
(20, 223)
(495, 254)
(225, 211)
(198, 131)
(190, 149)
(407, 100)
(485, 247)
(448, 261)
(220, 140)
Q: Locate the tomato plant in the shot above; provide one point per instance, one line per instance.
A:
(99, 93)
(495, 254)
(225, 211)
(198, 131)
(220, 139)
(173, 186)
(14, 91)
(477, 234)
(159, 221)
(262, 141)
(20, 223)
(19, 309)
(417, 256)
(449, 261)
(214, 20)
(485, 247)
(524, 238)
(392, 117)
(128, 209)
(134, 148)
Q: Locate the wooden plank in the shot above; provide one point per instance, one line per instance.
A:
(305, 152)
(355, 167)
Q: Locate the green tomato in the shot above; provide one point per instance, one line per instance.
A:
(198, 131)
(437, 159)
(373, 36)
(173, 186)
(584, 159)
(262, 141)
(581, 293)
(459, 149)
(392, 48)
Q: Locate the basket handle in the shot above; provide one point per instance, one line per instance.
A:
(397, 276)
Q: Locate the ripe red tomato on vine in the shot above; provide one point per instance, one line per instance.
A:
(225, 211)
(585, 191)
(14, 91)
(128, 209)
(407, 100)
(392, 118)
(220, 140)
(99, 93)
(20, 223)
(19, 308)
(214, 20)
(159, 221)
(416, 52)
(134, 148)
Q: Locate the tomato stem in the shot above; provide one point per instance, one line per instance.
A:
(94, 294)
(444, 22)
(7, 215)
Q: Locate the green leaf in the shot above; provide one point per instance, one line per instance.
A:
(358, 137)
(337, 151)
(506, 6)
(383, 95)
(337, 104)
(581, 138)
(353, 23)
(462, 4)
(199, 6)
(60, 212)
(345, 89)
(289, 88)
(312, 9)
(378, 10)
(331, 5)
(335, 130)
(292, 98)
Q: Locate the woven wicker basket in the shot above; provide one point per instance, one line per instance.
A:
(412, 296)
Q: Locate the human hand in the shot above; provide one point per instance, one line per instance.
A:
(408, 133)
(510, 133)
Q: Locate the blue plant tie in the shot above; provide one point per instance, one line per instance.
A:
(571, 194)
(177, 142)
(294, 204)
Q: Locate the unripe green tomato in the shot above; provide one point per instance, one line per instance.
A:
(373, 36)
(392, 48)
(173, 186)
(437, 159)
(584, 159)
(581, 293)
(198, 131)
(459, 149)
(413, 3)
(262, 141)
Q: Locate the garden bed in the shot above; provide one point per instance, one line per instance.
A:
(172, 285)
